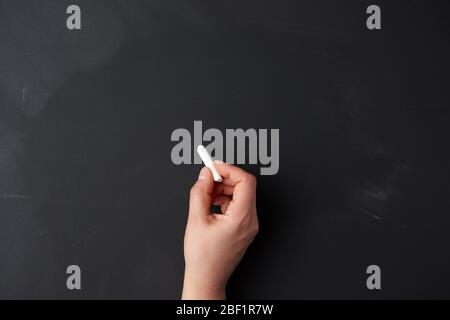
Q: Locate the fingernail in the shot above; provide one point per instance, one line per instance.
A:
(219, 161)
(202, 175)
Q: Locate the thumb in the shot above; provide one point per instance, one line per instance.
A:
(200, 198)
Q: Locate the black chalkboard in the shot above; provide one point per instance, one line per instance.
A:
(86, 117)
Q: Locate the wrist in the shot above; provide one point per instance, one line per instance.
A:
(200, 290)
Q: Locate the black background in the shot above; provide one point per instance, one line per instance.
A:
(86, 117)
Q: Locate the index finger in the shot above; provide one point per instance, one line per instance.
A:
(231, 174)
(243, 183)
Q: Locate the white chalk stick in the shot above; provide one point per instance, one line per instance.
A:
(208, 161)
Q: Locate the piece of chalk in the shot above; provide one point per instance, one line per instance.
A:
(207, 160)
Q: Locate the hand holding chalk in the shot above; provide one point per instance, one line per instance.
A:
(207, 160)
(215, 243)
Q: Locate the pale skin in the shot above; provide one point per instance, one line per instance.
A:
(214, 244)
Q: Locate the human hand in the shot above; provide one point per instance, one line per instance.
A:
(215, 243)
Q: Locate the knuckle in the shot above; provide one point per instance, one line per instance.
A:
(254, 230)
(251, 179)
(194, 190)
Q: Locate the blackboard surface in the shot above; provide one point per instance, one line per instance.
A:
(86, 117)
